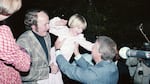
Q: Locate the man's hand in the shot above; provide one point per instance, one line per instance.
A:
(76, 49)
(54, 68)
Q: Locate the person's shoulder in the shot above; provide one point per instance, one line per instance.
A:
(26, 34)
(4, 28)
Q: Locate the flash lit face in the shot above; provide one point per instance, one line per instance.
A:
(42, 26)
(96, 55)
(95, 50)
(78, 29)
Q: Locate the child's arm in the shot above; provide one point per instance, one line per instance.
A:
(84, 43)
(57, 26)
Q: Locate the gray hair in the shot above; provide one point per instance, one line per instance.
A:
(107, 47)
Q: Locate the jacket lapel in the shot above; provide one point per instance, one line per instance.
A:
(48, 45)
(38, 50)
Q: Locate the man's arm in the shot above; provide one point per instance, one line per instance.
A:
(74, 72)
(82, 60)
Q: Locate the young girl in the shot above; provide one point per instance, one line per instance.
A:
(72, 35)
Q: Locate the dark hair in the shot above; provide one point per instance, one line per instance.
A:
(31, 17)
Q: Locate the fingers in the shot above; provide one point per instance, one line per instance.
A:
(54, 68)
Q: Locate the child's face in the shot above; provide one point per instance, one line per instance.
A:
(78, 29)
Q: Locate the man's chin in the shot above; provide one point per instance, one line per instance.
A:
(45, 34)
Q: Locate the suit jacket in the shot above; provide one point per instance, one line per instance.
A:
(135, 66)
(39, 62)
(104, 72)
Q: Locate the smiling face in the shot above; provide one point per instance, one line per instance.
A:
(77, 23)
(78, 29)
(95, 52)
(42, 26)
(105, 48)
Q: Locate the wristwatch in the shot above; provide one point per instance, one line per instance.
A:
(57, 49)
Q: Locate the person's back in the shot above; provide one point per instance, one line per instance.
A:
(109, 73)
(13, 58)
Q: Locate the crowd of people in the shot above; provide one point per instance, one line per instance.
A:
(31, 59)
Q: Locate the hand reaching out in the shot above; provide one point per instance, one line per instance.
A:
(76, 49)
(59, 43)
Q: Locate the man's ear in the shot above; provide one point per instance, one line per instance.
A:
(33, 27)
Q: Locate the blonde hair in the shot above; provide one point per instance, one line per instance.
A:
(9, 6)
(76, 20)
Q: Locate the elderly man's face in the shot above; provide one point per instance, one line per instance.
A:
(95, 50)
(42, 24)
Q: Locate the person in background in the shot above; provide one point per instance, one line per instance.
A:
(36, 40)
(77, 24)
(13, 58)
(105, 71)
(139, 70)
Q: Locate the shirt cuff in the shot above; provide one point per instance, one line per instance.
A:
(77, 57)
(58, 52)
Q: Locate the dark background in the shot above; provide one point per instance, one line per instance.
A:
(118, 19)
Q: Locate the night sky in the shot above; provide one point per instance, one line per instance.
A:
(118, 19)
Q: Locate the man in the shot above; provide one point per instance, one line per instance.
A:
(37, 42)
(139, 70)
(103, 72)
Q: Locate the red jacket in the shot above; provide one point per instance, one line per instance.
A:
(13, 59)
